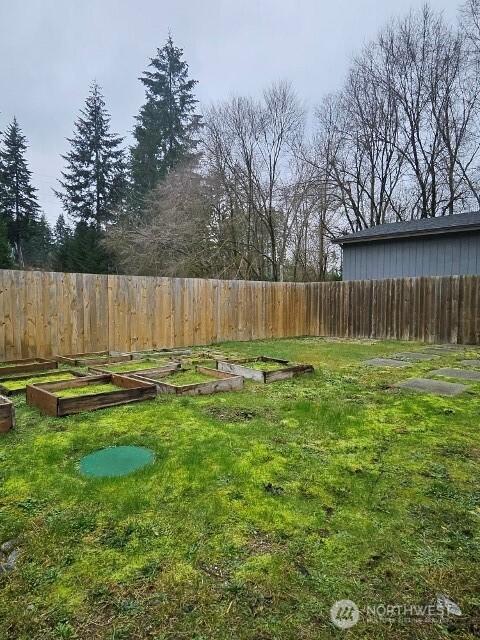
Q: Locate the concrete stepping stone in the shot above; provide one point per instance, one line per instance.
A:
(446, 348)
(8, 556)
(437, 387)
(444, 353)
(415, 356)
(470, 363)
(462, 374)
(386, 362)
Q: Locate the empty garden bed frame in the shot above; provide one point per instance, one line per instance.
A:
(164, 353)
(201, 357)
(43, 396)
(223, 382)
(7, 415)
(286, 369)
(26, 376)
(96, 357)
(133, 368)
(26, 365)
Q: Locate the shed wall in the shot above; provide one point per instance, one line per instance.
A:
(455, 254)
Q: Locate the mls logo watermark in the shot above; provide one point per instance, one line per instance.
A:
(345, 613)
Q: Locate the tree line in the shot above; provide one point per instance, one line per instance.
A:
(258, 188)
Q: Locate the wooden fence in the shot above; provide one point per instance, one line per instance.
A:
(43, 314)
(428, 309)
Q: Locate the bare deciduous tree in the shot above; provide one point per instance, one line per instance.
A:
(401, 139)
(174, 236)
(268, 203)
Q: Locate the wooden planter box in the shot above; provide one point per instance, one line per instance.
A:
(201, 357)
(7, 415)
(26, 376)
(27, 365)
(166, 367)
(164, 353)
(241, 368)
(224, 382)
(97, 357)
(43, 395)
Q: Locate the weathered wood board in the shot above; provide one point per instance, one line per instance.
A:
(7, 415)
(224, 382)
(99, 357)
(26, 365)
(286, 369)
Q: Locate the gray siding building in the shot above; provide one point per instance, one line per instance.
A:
(444, 246)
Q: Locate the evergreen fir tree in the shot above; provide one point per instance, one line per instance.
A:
(38, 250)
(18, 207)
(6, 261)
(3, 214)
(80, 250)
(94, 182)
(83, 251)
(61, 237)
(167, 124)
(61, 231)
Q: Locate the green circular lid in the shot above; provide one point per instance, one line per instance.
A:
(115, 461)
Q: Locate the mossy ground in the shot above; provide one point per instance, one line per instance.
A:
(189, 376)
(56, 376)
(262, 365)
(262, 508)
(87, 390)
(135, 365)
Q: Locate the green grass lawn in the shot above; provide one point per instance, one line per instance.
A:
(262, 508)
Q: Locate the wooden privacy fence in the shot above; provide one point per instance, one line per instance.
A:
(428, 309)
(43, 314)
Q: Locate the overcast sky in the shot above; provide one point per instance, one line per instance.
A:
(51, 50)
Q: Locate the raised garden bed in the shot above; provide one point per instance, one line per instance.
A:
(88, 393)
(160, 353)
(7, 415)
(137, 366)
(192, 382)
(26, 365)
(98, 357)
(10, 385)
(263, 369)
(203, 357)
